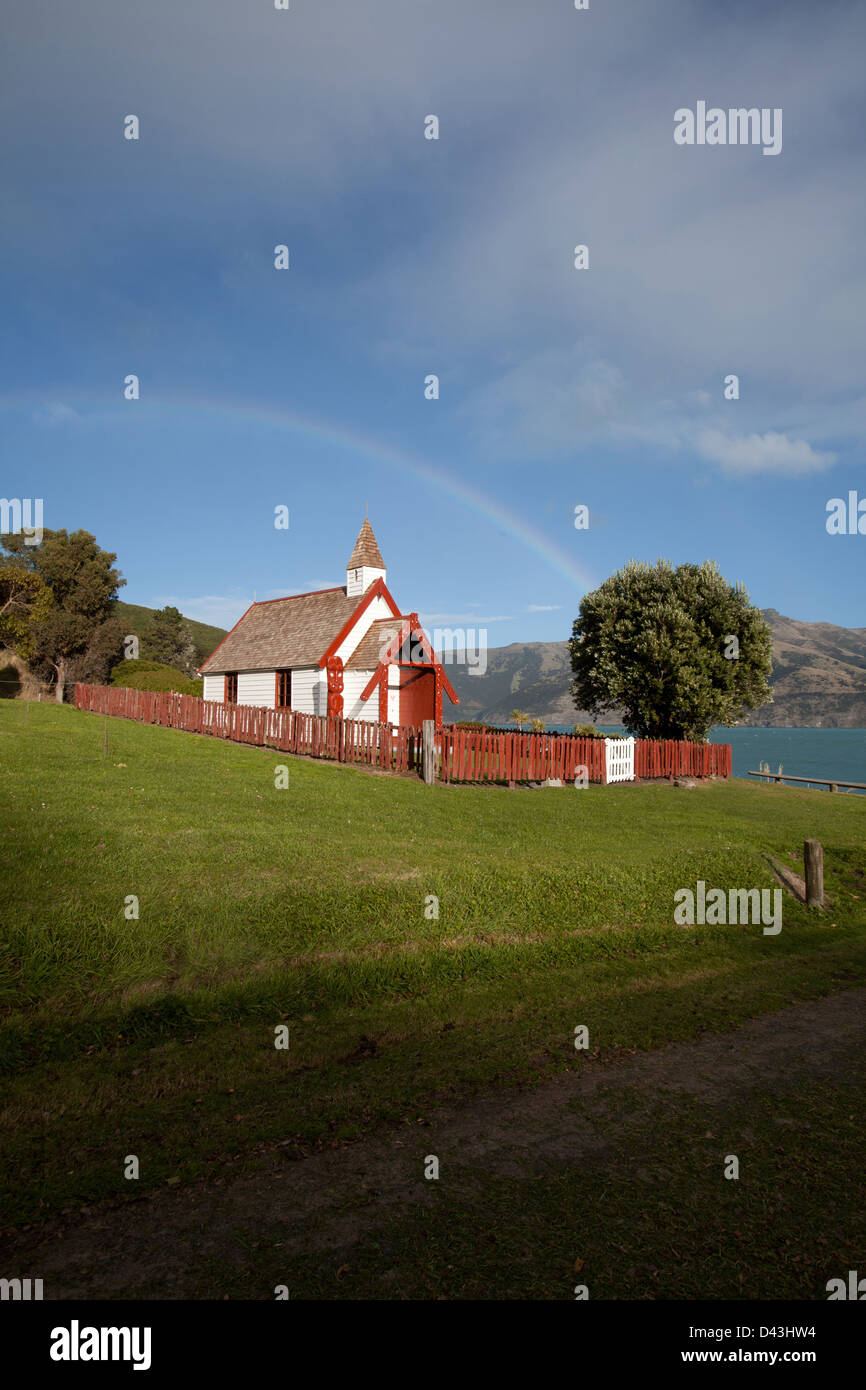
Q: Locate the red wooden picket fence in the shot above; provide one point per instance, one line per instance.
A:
(670, 758)
(343, 740)
(464, 755)
(470, 755)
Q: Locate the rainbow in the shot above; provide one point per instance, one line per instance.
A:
(354, 441)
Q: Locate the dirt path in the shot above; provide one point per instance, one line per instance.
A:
(163, 1240)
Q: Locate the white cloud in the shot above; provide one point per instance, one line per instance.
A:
(549, 401)
(56, 413)
(762, 453)
(543, 607)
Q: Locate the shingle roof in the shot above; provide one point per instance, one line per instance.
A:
(369, 651)
(367, 654)
(283, 632)
(366, 550)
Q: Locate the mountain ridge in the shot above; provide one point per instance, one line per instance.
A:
(819, 680)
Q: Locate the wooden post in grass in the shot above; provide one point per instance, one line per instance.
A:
(428, 737)
(813, 859)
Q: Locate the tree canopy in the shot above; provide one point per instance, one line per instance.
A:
(72, 633)
(677, 649)
(25, 602)
(169, 640)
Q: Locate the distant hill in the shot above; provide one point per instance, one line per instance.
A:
(819, 680)
(204, 637)
(819, 676)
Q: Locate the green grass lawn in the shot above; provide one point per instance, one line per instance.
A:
(306, 906)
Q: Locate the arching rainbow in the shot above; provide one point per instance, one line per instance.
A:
(355, 441)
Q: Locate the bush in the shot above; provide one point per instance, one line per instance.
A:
(153, 675)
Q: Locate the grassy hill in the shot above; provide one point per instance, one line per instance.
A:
(306, 907)
(138, 618)
(819, 678)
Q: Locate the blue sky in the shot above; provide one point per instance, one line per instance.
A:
(411, 256)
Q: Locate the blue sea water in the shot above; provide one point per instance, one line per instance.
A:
(826, 753)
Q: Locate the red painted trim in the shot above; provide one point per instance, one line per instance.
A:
(335, 686)
(379, 588)
(411, 627)
(396, 643)
(449, 688)
(435, 666)
(380, 671)
(277, 682)
(219, 644)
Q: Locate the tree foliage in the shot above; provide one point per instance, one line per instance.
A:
(25, 601)
(69, 635)
(656, 642)
(169, 640)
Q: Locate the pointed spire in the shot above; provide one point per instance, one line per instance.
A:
(366, 552)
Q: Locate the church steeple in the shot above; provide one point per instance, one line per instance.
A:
(365, 563)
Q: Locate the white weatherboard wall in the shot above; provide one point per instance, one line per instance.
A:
(377, 609)
(353, 707)
(358, 581)
(256, 688)
(310, 691)
(214, 688)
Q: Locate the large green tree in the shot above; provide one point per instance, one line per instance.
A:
(77, 634)
(169, 640)
(676, 649)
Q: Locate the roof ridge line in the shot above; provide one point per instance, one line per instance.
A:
(311, 593)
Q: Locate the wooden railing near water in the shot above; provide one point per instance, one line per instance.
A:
(811, 781)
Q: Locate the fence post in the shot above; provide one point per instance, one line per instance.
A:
(813, 859)
(428, 738)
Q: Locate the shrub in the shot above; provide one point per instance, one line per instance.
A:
(153, 675)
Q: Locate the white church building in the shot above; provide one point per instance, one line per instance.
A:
(347, 651)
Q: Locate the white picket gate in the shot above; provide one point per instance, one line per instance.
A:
(619, 759)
